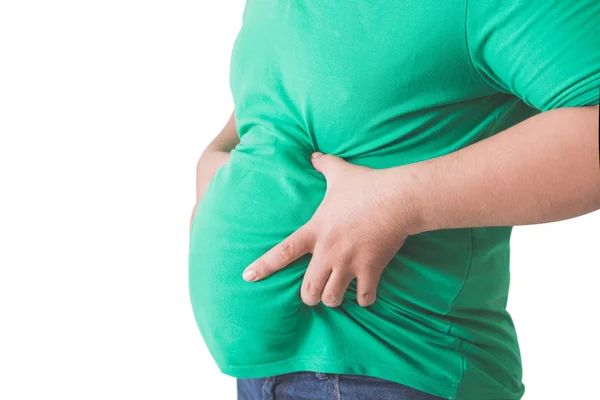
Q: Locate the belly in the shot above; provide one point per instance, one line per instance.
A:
(261, 196)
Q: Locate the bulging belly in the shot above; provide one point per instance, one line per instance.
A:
(261, 196)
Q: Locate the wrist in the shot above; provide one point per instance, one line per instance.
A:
(409, 198)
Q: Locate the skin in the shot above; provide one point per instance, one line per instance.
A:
(213, 157)
(543, 169)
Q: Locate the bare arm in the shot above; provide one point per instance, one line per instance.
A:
(227, 139)
(543, 169)
(215, 155)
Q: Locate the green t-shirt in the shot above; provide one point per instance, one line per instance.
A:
(381, 84)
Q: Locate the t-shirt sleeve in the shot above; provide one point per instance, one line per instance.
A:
(545, 52)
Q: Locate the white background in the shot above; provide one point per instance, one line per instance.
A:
(105, 107)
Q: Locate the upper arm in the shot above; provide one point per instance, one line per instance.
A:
(545, 52)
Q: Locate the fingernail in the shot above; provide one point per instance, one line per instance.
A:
(249, 275)
(316, 154)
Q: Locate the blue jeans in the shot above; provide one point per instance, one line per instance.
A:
(321, 386)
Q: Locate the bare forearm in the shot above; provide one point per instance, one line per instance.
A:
(541, 170)
(227, 139)
(215, 155)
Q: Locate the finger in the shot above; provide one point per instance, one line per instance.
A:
(327, 164)
(366, 288)
(335, 288)
(315, 278)
(293, 247)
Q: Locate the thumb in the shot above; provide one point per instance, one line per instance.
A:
(327, 164)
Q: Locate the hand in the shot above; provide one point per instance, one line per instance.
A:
(354, 233)
(209, 163)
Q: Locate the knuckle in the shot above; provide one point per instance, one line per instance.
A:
(366, 298)
(261, 268)
(311, 294)
(312, 290)
(331, 300)
(285, 250)
(365, 295)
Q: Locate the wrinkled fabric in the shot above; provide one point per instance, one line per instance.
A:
(380, 84)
